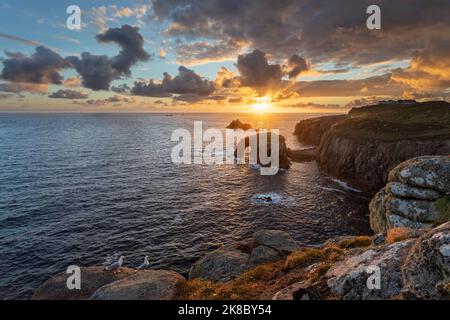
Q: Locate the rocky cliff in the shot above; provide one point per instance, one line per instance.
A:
(310, 131)
(365, 147)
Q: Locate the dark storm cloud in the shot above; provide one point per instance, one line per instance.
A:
(68, 94)
(123, 88)
(296, 65)
(185, 82)
(255, 70)
(41, 67)
(321, 29)
(98, 71)
(132, 44)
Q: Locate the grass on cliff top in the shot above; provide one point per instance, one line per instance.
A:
(425, 120)
(265, 280)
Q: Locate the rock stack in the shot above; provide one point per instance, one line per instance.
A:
(417, 195)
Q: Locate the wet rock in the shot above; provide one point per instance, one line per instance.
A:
(220, 265)
(277, 240)
(144, 285)
(92, 278)
(426, 271)
(348, 279)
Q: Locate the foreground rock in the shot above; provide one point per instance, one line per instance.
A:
(417, 268)
(310, 131)
(284, 162)
(144, 285)
(416, 195)
(229, 262)
(237, 124)
(92, 278)
(365, 147)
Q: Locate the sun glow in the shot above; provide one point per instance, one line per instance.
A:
(262, 104)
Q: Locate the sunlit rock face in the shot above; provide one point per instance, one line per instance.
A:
(416, 196)
(362, 149)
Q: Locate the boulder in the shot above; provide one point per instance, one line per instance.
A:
(426, 271)
(221, 265)
(92, 278)
(277, 240)
(348, 278)
(415, 196)
(143, 285)
(263, 254)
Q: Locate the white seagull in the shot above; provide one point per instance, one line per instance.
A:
(114, 267)
(144, 265)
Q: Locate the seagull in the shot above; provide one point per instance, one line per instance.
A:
(114, 267)
(144, 265)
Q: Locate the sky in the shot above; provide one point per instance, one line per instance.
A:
(221, 55)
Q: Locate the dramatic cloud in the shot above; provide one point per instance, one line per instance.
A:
(20, 40)
(98, 71)
(132, 44)
(123, 89)
(72, 82)
(296, 65)
(68, 94)
(255, 70)
(114, 100)
(43, 67)
(186, 82)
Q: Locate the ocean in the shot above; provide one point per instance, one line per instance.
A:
(84, 188)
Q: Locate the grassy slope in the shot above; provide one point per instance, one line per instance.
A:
(428, 120)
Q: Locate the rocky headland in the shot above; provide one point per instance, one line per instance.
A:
(362, 147)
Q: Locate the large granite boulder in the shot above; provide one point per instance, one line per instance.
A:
(277, 240)
(416, 195)
(220, 265)
(426, 271)
(229, 262)
(348, 279)
(92, 278)
(143, 285)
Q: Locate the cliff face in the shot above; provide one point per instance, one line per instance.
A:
(310, 131)
(365, 147)
(366, 164)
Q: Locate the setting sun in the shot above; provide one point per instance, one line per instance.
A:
(262, 104)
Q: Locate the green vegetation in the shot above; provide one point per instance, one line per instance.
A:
(395, 122)
(443, 207)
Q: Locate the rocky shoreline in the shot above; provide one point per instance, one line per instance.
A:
(410, 247)
(413, 258)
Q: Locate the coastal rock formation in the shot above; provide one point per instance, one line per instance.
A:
(416, 195)
(92, 278)
(310, 131)
(348, 278)
(364, 148)
(426, 271)
(237, 124)
(284, 162)
(302, 155)
(144, 285)
(229, 262)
